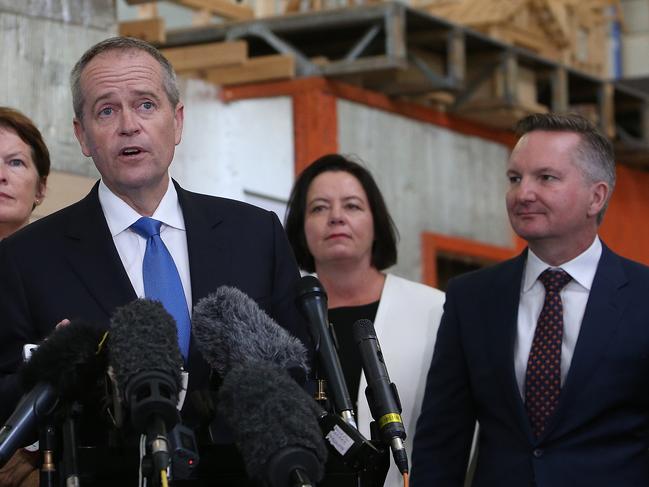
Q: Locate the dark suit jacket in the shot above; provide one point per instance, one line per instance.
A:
(67, 266)
(598, 435)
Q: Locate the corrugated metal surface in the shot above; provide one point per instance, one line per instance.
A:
(35, 61)
(432, 178)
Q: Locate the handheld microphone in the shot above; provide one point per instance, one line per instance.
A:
(230, 329)
(60, 371)
(312, 300)
(146, 362)
(275, 424)
(382, 395)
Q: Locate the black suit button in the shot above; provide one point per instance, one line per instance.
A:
(538, 453)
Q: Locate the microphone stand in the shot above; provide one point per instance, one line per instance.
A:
(70, 454)
(48, 475)
(300, 479)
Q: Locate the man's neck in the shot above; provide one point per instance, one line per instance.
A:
(554, 254)
(144, 200)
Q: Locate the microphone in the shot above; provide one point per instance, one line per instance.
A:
(275, 424)
(147, 363)
(230, 329)
(312, 300)
(233, 333)
(381, 393)
(59, 372)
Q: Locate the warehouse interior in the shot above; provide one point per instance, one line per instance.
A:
(424, 93)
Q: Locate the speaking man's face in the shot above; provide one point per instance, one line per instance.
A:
(129, 127)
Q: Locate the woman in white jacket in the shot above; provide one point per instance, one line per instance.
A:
(340, 228)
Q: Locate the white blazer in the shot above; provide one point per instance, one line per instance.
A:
(406, 326)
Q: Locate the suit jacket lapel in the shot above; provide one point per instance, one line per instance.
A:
(206, 245)
(601, 319)
(501, 330)
(93, 257)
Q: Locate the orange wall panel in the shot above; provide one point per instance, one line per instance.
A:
(625, 228)
(315, 125)
(626, 225)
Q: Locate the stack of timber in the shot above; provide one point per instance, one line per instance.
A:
(221, 63)
(422, 54)
(226, 63)
(573, 32)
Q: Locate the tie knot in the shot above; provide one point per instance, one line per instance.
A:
(147, 227)
(554, 279)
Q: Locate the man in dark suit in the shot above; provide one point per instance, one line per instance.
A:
(86, 260)
(549, 351)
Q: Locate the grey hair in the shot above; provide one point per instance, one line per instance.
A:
(594, 154)
(169, 82)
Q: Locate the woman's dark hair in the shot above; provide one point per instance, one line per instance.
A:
(15, 121)
(384, 248)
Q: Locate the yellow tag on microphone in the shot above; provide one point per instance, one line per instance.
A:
(389, 418)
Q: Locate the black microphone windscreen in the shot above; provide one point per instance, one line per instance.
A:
(310, 284)
(270, 413)
(69, 360)
(230, 329)
(143, 338)
(363, 329)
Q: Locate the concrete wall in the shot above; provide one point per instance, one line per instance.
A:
(241, 150)
(41, 41)
(432, 179)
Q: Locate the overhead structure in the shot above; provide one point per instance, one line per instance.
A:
(408, 53)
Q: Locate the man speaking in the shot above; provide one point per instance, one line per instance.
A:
(137, 233)
(548, 352)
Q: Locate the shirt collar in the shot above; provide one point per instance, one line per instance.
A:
(582, 268)
(120, 216)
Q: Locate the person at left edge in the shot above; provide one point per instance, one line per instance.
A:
(84, 261)
(24, 167)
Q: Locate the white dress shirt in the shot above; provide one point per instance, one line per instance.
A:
(574, 297)
(131, 246)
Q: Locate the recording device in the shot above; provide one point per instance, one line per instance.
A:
(312, 300)
(146, 362)
(184, 451)
(60, 370)
(230, 329)
(382, 395)
(275, 425)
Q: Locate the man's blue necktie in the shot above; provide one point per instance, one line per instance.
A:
(161, 279)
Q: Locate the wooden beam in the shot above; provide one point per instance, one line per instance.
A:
(150, 30)
(204, 56)
(223, 8)
(262, 68)
(147, 10)
(201, 17)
